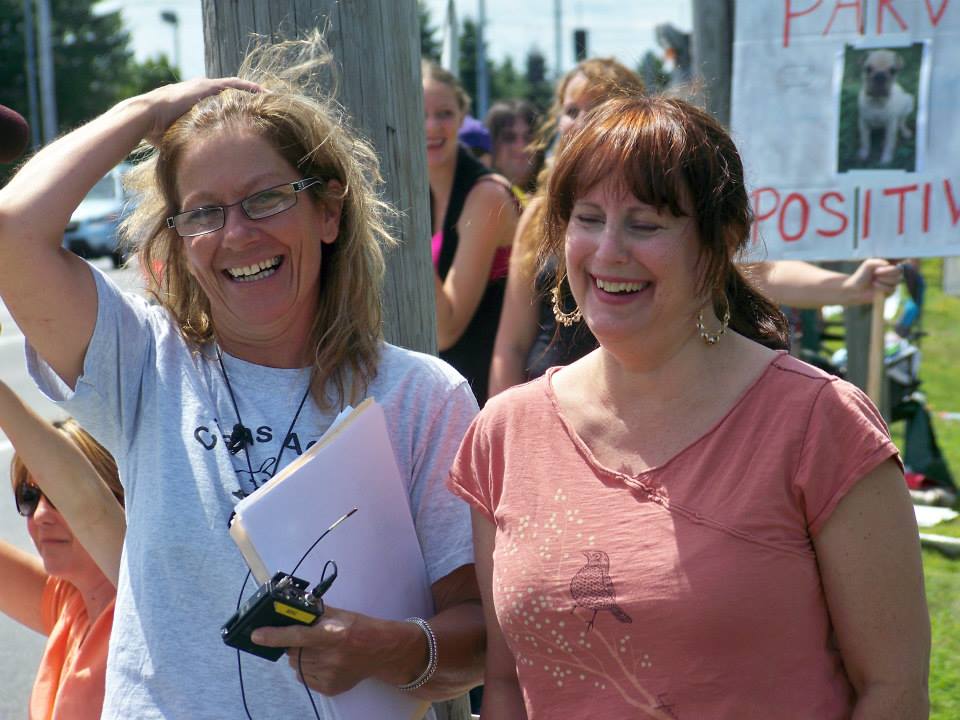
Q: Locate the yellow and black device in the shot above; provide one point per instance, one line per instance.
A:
(283, 600)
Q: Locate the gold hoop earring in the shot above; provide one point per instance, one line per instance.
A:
(564, 318)
(713, 338)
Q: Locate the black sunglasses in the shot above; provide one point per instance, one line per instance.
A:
(27, 497)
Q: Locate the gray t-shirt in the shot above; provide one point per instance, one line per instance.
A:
(163, 409)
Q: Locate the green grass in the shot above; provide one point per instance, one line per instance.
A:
(938, 371)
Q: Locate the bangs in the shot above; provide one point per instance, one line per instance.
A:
(642, 154)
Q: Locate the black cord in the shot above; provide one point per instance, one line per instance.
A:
(304, 681)
(322, 536)
(243, 441)
(318, 591)
(243, 695)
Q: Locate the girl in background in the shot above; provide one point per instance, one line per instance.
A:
(67, 593)
(473, 216)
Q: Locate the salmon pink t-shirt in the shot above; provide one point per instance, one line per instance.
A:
(69, 684)
(690, 591)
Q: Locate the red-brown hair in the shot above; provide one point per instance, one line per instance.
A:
(676, 157)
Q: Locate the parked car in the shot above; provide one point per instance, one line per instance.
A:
(93, 228)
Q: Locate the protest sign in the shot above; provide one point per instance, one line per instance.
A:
(845, 112)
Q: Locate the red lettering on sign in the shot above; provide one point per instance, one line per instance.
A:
(804, 217)
(925, 220)
(844, 220)
(902, 192)
(935, 16)
(760, 215)
(866, 215)
(888, 4)
(788, 17)
(857, 4)
(954, 210)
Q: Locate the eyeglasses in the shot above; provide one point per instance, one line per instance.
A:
(27, 496)
(258, 206)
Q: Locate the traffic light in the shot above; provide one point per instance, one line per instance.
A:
(579, 45)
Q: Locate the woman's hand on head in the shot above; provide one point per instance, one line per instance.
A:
(171, 101)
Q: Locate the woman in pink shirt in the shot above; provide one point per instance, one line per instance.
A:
(687, 522)
(68, 592)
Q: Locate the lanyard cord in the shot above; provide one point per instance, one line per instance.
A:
(237, 436)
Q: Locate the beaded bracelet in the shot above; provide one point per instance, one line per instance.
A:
(431, 668)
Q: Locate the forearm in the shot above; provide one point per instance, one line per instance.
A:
(517, 329)
(345, 648)
(508, 368)
(460, 651)
(65, 475)
(22, 587)
(37, 203)
(800, 284)
(893, 701)
(444, 309)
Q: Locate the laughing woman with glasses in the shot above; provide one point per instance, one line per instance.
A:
(259, 226)
(67, 593)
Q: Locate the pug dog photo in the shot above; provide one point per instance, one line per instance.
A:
(883, 103)
(878, 108)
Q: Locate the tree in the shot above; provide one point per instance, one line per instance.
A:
(506, 82)
(429, 45)
(91, 59)
(93, 65)
(539, 89)
(150, 74)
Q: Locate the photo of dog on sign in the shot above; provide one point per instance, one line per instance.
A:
(878, 108)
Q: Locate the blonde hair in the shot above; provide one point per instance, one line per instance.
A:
(606, 78)
(96, 453)
(433, 71)
(299, 116)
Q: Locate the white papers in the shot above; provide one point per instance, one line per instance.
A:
(380, 566)
(928, 515)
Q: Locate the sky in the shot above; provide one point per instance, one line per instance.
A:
(618, 28)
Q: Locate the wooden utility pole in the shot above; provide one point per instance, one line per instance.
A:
(377, 48)
(712, 50)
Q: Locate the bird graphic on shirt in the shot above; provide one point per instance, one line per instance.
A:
(592, 588)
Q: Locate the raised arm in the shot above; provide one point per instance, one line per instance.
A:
(22, 588)
(802, 285)
(65, 475)
(519, 316)
(869, 557)
(49, 291)
(487, 222)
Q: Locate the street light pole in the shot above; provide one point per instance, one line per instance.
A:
(33, 104)
(47, 83)
(170, 17)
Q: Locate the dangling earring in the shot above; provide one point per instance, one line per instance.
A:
(564, 318)
(714, 338)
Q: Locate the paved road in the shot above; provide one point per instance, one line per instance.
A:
(20, 648)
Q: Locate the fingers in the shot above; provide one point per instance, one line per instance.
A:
(291, 636)
(884, 276)
(171, 101)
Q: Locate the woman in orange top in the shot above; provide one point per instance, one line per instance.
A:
(68, 592)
